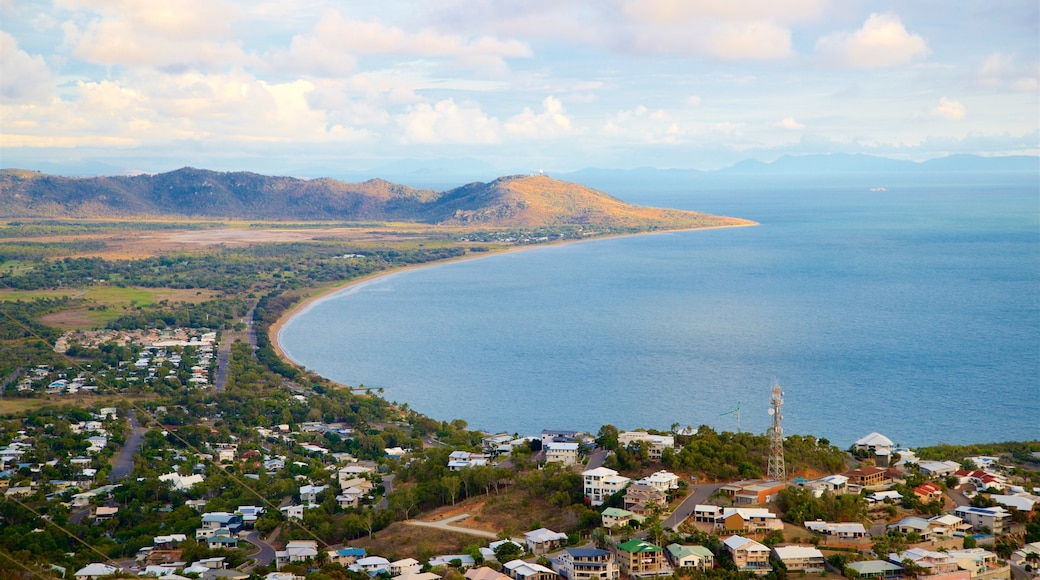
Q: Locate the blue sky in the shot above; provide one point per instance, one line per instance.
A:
(312, 87)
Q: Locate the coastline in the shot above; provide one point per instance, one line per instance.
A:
(275, 329)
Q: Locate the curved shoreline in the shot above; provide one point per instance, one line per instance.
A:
(276, 327)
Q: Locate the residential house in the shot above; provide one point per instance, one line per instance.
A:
(217, 520)
(543, 540)
(981, 479)
(641, 558)
(249, 514)
(221, 538)
(656, 444)
(936, 469)
(350, 498)
(980, 562)
(563, 453)
(992, 518)
(293, 512)
(705, 513)
(588, 564)
(748, 555)
(559, 436)
(348, 556)
(747, 520)
(806, 559)
(95, 571)
(105, 513)
(371, 565)
(932, 562)
(928, 492)
(752, 492)
(840, 530)
(462, 459)
(873, 442)
(520, 570)
(1022, 556)
(662, 481)
(915, 525)
(404, 566)
(867, 476)
(1025, 503)
(639, 498)
(948, 525)
(453, 560)
(489, 552)
(617, 518)
(484, 573)
(690, 557)
(835, 484)
(309, 493)
(601, 483)
(876, 570)
(296, 551)
(492, 442)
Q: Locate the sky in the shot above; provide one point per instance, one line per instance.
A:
(318, 87)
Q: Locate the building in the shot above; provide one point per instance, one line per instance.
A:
(662, 481)
(873, 443)
(520, 570)
(484, 573)
(559, 436)
(876, 570)
(690, 557)
(656, 444)
(563, 453)
(296, 551)
(928, 492)
(752, 492)
(747, 519)
(840, 530)
(992, 518)
(601, 483)
(617, 518)
(543, 540)
(463, 459)
(748, 555)
(95, 571)
(867, 476)
(641, 558)
(805, 559)
(640, 497)
(588, 564)
(931, 562)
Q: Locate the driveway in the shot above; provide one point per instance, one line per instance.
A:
(698, 494)
(388, 486)
(596, 458)
(445, 524)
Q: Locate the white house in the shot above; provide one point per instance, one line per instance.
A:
(95, 571)
(873, 443)
(601, 483)
(661, 481)
(806, 559)
(657, 443)
(994, 518)
(543, 540)
(564, 453)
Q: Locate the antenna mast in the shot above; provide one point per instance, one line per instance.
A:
(776, 469)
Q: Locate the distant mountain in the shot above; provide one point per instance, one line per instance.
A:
(842, 163)
(515, 201)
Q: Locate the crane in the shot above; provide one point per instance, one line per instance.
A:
(737, 411)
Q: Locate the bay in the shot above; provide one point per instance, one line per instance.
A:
(914, 312)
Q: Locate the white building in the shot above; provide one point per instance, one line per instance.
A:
(657, 443)
(601, 483)
(564, 453)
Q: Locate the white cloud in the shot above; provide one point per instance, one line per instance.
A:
(721, 39)
(1001, 71)
(950, 110)
(671, 11)
(25, 77)
(693, 101)
(883, 41)
(181, 35)
(552, 121)
(334, 45)
(790, 123)
(448, 122)
(646, 126)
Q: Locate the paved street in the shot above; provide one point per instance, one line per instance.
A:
(124, 463)
(698, 494)
(266, 553)
(445, 524)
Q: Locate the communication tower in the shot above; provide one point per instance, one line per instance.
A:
(776, 470)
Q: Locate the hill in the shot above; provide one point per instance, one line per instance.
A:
(514, 201)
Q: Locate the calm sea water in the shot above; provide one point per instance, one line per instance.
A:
(914, 312)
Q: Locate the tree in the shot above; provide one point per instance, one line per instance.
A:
(607, 437)
(507, 551)
(451, 486)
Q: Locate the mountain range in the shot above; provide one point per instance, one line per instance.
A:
(525, 201)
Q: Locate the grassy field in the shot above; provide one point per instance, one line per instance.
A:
(103, 303)
(19, 406)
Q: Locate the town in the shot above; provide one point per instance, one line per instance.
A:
(304, 480)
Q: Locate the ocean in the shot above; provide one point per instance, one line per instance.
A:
(914, 312)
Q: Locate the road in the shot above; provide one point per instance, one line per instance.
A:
(124, 463)
(698, 494)
(266, 554)
(388, 486)
(445, 524)
(223, 354)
